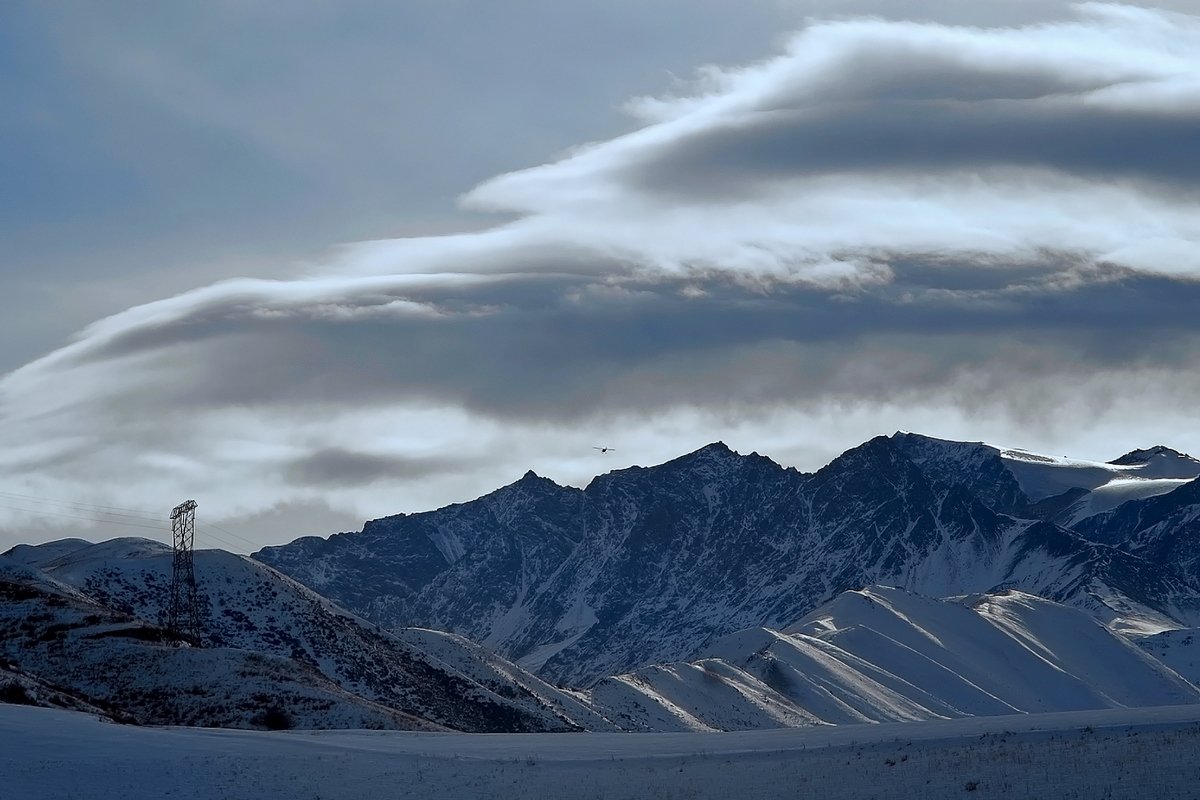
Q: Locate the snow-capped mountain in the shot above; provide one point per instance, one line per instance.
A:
(884, 655)
(255, 615)
(1164, 528)
(874, 655)
(1055, 488)
(722, 591)
(649, 565)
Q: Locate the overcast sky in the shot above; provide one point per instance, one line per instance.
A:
(314, 263)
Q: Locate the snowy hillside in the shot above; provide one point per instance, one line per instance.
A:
(650, 565)
(252, 608)
(64, 649)
(1178, 649)
(884, 655)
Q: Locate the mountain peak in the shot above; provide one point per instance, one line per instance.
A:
(914, 443)
(713, 454)
(532, 480)
(716, 451)
(1135, 457)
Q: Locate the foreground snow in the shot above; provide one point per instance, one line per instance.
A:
(1125, 753)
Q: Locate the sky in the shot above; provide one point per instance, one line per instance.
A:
(316, 264)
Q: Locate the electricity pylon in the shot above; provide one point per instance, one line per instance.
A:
(183, 613)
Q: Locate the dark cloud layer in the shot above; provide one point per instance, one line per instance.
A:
(928, 137)
(339, 467)
(526, 347)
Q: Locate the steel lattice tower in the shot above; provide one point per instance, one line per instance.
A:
(183, 613)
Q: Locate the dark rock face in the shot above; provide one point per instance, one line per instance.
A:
(1163, 529)
(646, 565)
(1134, 457)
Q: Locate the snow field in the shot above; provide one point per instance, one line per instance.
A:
(1117, 753)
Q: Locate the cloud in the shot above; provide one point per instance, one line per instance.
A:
(339, 467)
(869, 138)
(158, 147)
(988, 228)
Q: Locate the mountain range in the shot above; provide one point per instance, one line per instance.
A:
(911, 578)
(649, 565)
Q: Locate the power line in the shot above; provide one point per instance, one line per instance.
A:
(244, 540)
(233, 547)
(107, 509)
(40, 513)
(118, 515)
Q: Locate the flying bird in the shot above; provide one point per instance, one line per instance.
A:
(603, 449)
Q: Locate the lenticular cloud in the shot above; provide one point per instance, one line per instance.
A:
(887, 214)
(870, 139)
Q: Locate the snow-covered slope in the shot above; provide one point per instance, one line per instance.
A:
(1163, 529)
(881, 654)
(1061, 489)
(251, 607)
(1133, 754)
(1178, 649)
(516, 685)
(1136, 475)
(648, 565)
(65, 649)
